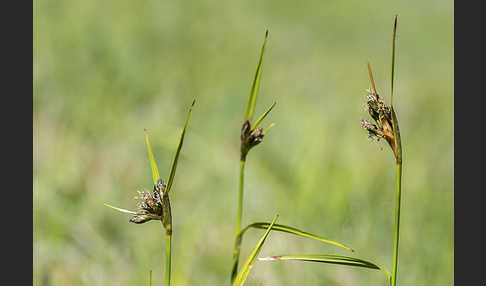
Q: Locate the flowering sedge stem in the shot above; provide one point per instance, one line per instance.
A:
(167, 258)
(236, 251)
(397, 224)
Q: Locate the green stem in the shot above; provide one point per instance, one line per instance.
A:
(397, 224)
(236, 251)
(167, 258)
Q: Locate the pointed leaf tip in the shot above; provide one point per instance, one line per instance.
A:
(252, 97)
(153, 165)
(259, 120)
(393, 59)
(332, 259)
(268, 128)
(119, 209)
(173, 167)
(372, 80)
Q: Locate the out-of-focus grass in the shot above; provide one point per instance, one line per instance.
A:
(109, 69)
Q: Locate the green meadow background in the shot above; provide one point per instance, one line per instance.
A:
(105, 70)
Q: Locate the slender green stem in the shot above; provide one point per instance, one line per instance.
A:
(240, 197)
(167, 258)
(397, 224)
(150, 278)
(236, 251)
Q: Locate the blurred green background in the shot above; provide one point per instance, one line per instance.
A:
(105, 70)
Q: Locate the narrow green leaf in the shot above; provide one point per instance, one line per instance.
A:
(330, 258)
(173, 167)
(257, 122)
(246, 268)
(268, 128)
(153, 165)
(292, 230)
(120, 210)
(130, 212)
(150, 278)
(393, 59)
(250, 107)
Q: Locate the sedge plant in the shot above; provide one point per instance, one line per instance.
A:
(252, 135)
(386, 127)
(156, 205)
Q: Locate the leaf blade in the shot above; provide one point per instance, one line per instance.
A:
(393, 59)
(331, 259)
(246, 268)
(250, 107)
(295, 231)
(119, 209)
(257, 122)
(173, 167)
(152, 216)
(153, 165)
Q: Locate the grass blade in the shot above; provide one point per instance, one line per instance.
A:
(173, 168)
(246, 268)
(393, 59)
(257, 122)
(268, 128)
(330, 258)
(120, 210)
(150, 278)
(250, 107)
(152, 216)
(153, 165)
(292, 230)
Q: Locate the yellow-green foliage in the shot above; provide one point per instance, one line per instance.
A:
(109, 69)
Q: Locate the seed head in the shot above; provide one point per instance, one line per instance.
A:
(385, 118)
(250, 138)
(150, 205)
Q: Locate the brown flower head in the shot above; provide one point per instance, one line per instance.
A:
(150, 206)
(250, 138)
(384, 116)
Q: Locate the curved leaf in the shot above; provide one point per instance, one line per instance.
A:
(292, 230)
(245, 269)
(330, 258)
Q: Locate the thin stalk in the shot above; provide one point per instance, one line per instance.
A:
(150, 278)
(236, 251)
(240, 197)
(397, 224)
(167, 258)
